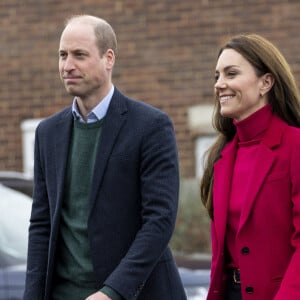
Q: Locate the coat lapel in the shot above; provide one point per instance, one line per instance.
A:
(63, 139)
(223, 170)
(263, 164)
(114, 120)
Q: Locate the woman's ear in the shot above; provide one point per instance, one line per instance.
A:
(267, 83)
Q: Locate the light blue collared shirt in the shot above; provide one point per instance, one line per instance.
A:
(97, 113)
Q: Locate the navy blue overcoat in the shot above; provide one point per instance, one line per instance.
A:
(132, 205)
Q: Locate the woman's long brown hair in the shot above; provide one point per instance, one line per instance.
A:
(284, 99)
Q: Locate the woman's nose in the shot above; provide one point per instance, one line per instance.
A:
(220, 83)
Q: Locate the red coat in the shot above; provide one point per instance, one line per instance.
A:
(269, 232)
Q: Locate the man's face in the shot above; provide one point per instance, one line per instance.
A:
(82, 69)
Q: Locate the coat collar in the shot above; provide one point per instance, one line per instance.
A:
(223, 170)
(113, 122)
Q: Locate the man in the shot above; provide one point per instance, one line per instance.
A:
(105, 185)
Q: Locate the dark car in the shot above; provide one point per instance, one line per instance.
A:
(17, 181)
(15, 206)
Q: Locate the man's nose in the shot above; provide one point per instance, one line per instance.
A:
(68, 64)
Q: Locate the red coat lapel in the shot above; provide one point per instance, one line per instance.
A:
(223, 169)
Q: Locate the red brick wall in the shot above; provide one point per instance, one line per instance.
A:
(166, 57)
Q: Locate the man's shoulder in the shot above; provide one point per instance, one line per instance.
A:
(141, 109)
(62, 115)
(136, 103)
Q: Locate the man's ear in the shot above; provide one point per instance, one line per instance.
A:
(110, 58)
(267, 83)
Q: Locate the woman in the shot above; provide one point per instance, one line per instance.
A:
(251, 182)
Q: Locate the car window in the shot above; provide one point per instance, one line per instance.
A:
(15, 210)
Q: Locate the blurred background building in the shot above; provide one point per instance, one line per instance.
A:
(167, 55)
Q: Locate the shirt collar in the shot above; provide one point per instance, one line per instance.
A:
(97, 113)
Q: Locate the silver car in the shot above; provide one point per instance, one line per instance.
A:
(15, 207)
(14, 221)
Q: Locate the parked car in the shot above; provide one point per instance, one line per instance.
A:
(15, 206)
(14, 221)
(194, 271)
(12, 281)
(195, 282)
(18, 181)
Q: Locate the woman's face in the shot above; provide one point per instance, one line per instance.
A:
(237, 86)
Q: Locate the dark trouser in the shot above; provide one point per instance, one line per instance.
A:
(233, 291)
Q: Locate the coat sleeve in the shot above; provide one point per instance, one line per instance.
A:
(290, 286)
(159, 185)
(39, 232)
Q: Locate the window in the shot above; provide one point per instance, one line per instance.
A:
(202, 144)
(200, 124)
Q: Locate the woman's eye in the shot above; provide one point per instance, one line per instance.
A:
(231, 73)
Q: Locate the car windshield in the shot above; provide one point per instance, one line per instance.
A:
(15, 210)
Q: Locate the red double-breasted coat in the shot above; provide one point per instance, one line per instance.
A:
(268, 238)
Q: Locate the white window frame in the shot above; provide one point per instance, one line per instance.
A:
(200, 124)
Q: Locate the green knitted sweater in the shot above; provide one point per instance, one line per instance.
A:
(74, 278)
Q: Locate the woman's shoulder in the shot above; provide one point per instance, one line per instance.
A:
(293, 134)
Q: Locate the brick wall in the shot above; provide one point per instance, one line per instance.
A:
(166, 56)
